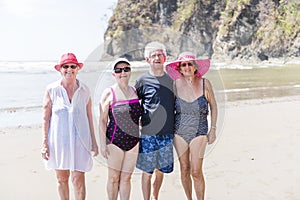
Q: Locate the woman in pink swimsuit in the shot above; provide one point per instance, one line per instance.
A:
(120, 112)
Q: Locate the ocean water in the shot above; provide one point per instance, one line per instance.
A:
(22, 85)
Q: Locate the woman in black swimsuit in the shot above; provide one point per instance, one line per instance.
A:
(120, 112)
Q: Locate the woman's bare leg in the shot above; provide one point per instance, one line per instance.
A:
(197, 151)
(183, 153)
(114, 162)
(78, 180)
(128, 166)
(63, 183)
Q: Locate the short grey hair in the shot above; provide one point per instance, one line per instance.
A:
(154, 46)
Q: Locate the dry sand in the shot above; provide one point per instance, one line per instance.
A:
(256, 158)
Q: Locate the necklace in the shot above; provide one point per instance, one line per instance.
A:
(189, 81)
(190, 91)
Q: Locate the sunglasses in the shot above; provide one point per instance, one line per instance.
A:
(119, 70)
(67, 66)
(185, 64)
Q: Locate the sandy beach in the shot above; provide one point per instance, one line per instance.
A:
(256, 157)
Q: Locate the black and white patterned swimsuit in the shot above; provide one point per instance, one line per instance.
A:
(191, 117)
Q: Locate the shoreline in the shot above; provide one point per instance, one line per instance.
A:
(19, 64)
(255, 157)
(228, 104)
(281, 61)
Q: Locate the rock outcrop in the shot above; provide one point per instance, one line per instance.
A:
(220, 29)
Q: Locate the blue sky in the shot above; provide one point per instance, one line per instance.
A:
(45, 29)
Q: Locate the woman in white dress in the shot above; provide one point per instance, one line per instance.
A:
(68, 132)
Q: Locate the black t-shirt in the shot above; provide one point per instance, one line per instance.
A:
(156, 94)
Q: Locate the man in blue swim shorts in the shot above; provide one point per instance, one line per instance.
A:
(155, 90)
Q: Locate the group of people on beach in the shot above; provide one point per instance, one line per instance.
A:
(139, 125)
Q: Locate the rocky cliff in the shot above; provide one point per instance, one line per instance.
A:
(220, 29)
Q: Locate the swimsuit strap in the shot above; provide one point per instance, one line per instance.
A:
(114, 95)
(203, 86)
(175, 88)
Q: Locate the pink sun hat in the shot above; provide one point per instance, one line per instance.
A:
(172, 67)
(68, 58)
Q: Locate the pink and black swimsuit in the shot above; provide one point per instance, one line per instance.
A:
(123, 126)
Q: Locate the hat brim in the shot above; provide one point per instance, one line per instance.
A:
(57, 67)
(172, 68)
(118, 61)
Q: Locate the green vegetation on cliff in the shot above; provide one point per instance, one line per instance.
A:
(228, 28)
(281, 26)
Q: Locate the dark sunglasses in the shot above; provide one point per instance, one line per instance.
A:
(67, 66)
(185, 64)
(119, 70)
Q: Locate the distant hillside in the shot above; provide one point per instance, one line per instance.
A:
(220, 29)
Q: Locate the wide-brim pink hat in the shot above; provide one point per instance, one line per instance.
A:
(172, 67)
(68, 58)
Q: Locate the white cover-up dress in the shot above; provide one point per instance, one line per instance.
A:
(69, 136)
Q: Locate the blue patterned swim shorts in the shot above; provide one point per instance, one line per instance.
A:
(156, 152)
